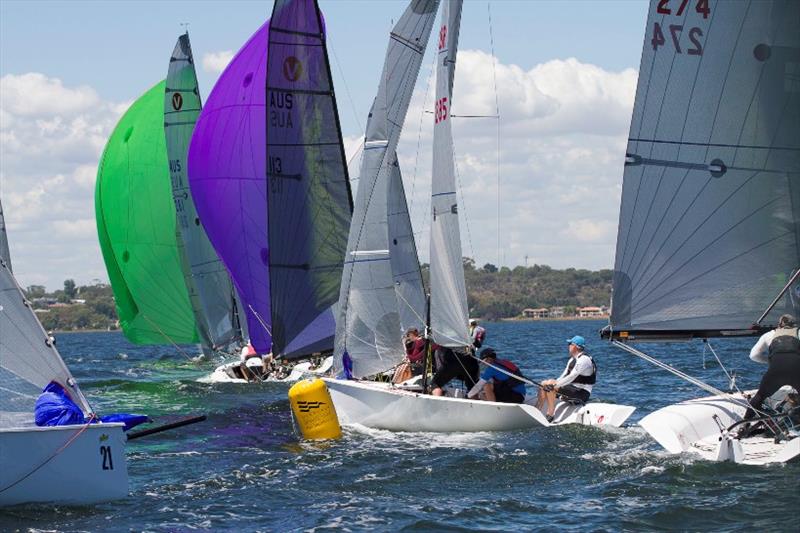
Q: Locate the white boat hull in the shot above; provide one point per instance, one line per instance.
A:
(382, 406)
(225, 374)
(690, 427)
(66, 464)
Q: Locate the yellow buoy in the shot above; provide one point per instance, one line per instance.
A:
(314, 411)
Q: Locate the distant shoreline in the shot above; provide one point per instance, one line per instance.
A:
(553, 319)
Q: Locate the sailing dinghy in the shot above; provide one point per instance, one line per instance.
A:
(382, 292)
(269, 176)
(76, 463)
(708, 243)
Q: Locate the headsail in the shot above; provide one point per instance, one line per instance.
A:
(406, 272)
(449, 312)
(5, 255)
(309, 191)
(709, 229)
(28, 359)
(136, 227)
(368, 328)
(227, 175)
(210, 290)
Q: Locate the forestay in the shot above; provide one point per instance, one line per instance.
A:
(708, 229)
(309, 190)
(448, 290)
(368, 328)
(136, 227)
(227, 176)
(28, 358)
(207, 282)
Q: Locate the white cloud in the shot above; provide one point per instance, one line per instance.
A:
(51, 138)
(562, 141)
(215, 62)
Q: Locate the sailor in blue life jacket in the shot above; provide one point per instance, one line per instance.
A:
(780, 348)
(498, 386)
(574, 383)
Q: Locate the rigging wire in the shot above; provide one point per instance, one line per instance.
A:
(344, 80)
(497, 113)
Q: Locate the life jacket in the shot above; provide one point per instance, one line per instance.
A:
(512, 381)
(591, 379)
(785, 341)
(479, 336)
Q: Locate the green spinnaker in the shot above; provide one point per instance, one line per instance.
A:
(136, 226)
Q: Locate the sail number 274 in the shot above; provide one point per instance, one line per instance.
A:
(677, 8)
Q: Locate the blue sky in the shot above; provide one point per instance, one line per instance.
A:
(566, 75)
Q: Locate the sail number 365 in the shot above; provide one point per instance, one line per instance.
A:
(440, 110)
(677, 8)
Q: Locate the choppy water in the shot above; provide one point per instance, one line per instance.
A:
(245, 470)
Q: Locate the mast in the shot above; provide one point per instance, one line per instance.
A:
(308, 194)
(709, 228)
(205, 276)
(368, 327)
(449, 313)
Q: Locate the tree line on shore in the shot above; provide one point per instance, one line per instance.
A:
(493, 293)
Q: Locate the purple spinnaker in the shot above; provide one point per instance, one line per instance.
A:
(227, 176)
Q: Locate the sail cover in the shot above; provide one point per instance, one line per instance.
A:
(406, 272)
(136, 227)
(309, 191)
(227, 176)
(210, 290)
(449, 314)
(28, 359)
(5, 255)
(708, 230)
(368, 328)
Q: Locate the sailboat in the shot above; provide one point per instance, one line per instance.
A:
(210, 290)
(382, 290)
(76, 463)
(269, 177)
(709, 239)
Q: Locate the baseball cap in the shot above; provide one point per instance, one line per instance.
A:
(577, 340)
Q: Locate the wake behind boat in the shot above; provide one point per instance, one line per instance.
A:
(269, 371)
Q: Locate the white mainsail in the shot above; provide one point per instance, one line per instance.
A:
(368, 327)
(448, 290)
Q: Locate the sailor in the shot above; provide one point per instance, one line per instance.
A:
(780, 348)
(452, 364)
(415, 350)
(477, 333)
(252, 365)
(575, 382)
(496, 385)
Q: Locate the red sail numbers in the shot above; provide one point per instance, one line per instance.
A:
(674, 31)
(440, 110)
(442, 37)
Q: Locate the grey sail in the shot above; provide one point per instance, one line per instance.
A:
(309, 201)
(406, 272)
(368, 326)
(28, 359)
(206, 279)
(5, 255)
(709, 228)
(449, 312)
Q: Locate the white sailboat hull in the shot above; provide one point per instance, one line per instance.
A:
(224, 373)
(382, 406)
(75, 464)
(690, 427)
